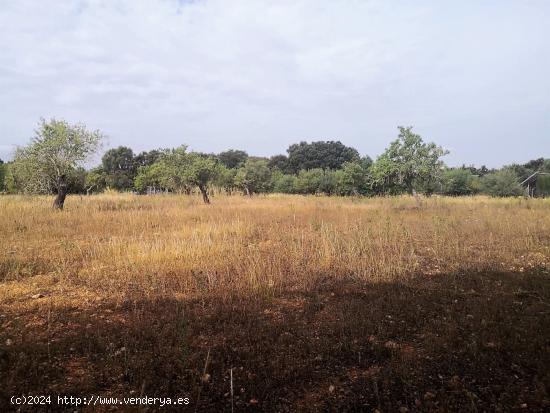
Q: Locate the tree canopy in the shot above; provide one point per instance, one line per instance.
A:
(253, 177)
(119, 167)
(180, 171)
(232, 158)
(501, 183)
(321, 154)
(46, 164)
(54, 160)
(408, 163)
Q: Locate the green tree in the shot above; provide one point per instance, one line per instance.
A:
(309, 181)
(147, 158)
(95, 180)
(526, 170)
(158, 176)
(225, 179)
(408, 164)
(352, 179)
(254, 177)
(233, 158)
(201, 172)
(177, 170)
(501, 183)
(479, 172)
(458, 181)
(76, 181)
(329, 182)
(3, 170)
(324, 155)
(279, 162)
(119, 167)
(174, 163)
(11, 185)
(366, 162)
(52, 156)
(283, 183)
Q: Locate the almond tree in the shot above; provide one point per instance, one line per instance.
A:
(52, 156)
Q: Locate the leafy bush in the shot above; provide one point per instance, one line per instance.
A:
(283, 183)
(458, 182)
(501, 183)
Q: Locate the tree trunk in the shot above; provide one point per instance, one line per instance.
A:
(59, 201)
(410, 188)
(204, 193)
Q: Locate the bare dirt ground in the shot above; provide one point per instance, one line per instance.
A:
(471, 342)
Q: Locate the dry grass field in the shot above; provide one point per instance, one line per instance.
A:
(311, 303)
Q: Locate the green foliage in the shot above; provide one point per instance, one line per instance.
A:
(3, 172)
(502, 183)
(309, 181)
(200, 171)
(179, 171)
(159, 176)
(313, 181)
(456, 182)
(408, 164)
(58, 150)
(329, 182)
(324, 155)
(366, 162)
(253, 177)
(76, 181)
(119, 167)
(283, 183)
(536, 165)
(10, 184)
(384, 178)
(543, 185)
(279, 162)
(233, 158)
(96, 180)
(53, 155)
(147, 158)
(225, 179)
(479, 172)
(526, 170)
(352, 179)
(520, 171)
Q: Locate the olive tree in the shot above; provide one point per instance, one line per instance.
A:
(52, 157)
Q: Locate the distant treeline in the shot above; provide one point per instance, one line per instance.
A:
(409, 165)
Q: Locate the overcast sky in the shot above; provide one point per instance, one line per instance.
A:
(472, 76)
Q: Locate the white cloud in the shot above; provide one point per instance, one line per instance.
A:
(260, 75)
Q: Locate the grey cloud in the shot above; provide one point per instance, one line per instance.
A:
(260, 75)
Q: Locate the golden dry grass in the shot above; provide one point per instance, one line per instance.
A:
(116, 269)
(124, 244)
